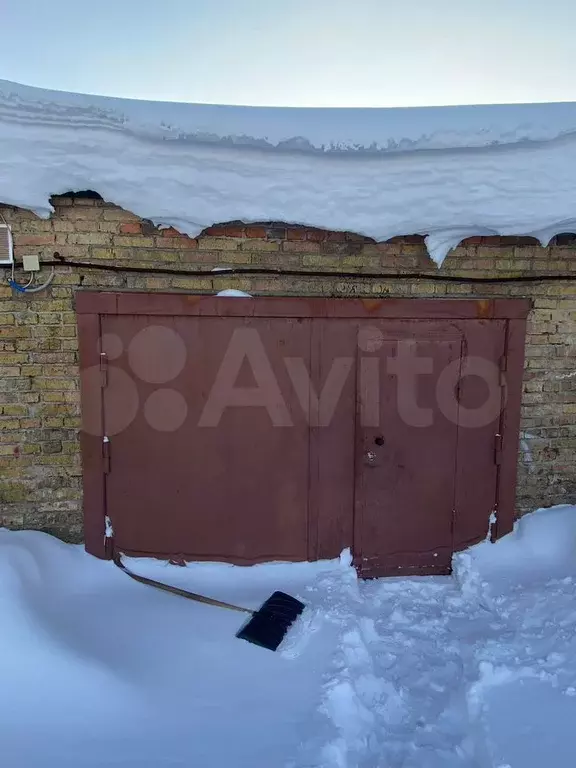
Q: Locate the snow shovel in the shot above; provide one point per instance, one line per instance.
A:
(266, 627)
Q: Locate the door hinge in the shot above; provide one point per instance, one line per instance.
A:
(103, 369)
(106, 455)
(503, 367)
(498, 448)
(458, 392)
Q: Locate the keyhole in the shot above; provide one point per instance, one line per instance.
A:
(379, 440)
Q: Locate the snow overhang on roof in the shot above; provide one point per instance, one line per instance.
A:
(447, 172)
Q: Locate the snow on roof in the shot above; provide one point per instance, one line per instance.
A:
(448, 172)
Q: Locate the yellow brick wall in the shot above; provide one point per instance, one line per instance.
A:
(40, 474)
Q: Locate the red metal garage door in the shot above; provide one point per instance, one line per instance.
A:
(258, 429)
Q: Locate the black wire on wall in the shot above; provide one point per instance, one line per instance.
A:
(228, 271)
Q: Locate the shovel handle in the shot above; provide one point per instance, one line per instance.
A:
(177, 591)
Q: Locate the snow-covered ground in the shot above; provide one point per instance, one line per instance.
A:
(475, 670)
(447, 172)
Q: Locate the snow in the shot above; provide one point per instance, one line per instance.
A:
(477, 670)
(108, 529)
(450, 172)
(235, 293)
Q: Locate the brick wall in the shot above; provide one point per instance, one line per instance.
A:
(40, 475)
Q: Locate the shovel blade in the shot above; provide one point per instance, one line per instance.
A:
(269, 624)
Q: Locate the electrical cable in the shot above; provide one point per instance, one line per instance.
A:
(37, 288)
(314, 273)
(27, 288)
(21, 288)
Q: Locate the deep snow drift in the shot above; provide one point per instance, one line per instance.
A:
(476, 670)
(449, 172)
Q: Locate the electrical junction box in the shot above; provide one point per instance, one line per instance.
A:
(31, 263)
(6, 247)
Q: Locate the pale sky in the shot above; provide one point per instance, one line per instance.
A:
(353, 53)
